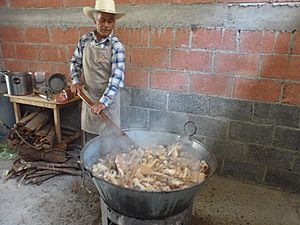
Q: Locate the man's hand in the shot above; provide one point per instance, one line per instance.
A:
(98, 107)
(76, 88)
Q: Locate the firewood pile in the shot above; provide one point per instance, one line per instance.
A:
(39, 171)
(41, 157)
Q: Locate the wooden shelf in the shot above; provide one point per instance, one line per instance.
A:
(38, 101)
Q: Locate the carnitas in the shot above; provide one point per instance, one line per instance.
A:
(152, 169)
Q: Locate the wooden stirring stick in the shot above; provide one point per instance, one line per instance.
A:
(118, 131)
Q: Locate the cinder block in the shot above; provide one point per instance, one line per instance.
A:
(3, 131)
(167, 121)
(226, 149)
(210, 127)
(148, 98)
(285, 179)
(287, 138)
(244, 170)
(71, 113)
(125, 98)
(250, 133)
(134, 117)
(275, 158)
(277, 114)
(229, 108)
(188, 103)
(296, 167)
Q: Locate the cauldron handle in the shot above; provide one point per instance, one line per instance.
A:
(3, 72)
(118, 131)
(85, 173)
(190, 128)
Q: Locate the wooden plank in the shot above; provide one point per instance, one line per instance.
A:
(41, 118)
(38, 101)
(50, 137)
(27, 118)
(17, 112)
(44, 131)
(57, 124)
(44, 123)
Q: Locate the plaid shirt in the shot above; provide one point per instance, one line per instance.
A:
(116, 80)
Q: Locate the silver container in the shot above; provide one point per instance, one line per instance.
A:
(3, 88)
(18, 83)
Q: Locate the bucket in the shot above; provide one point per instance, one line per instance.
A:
(39, 77)
(19, 83)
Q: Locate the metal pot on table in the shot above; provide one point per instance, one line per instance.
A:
(18, 83)
(3, 88)
(144, 204)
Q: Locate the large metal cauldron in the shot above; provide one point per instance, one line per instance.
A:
(144, 204)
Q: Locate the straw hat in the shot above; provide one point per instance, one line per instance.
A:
(107, 6)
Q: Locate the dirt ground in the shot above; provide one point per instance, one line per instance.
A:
(62, 200)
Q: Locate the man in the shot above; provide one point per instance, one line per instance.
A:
(101, 57)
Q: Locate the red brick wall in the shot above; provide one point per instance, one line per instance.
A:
(256, 65)
(33, 49)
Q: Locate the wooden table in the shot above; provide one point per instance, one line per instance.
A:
(35, 100)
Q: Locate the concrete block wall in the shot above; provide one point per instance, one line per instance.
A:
(232, 67)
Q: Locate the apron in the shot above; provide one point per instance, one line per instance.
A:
(97, 71)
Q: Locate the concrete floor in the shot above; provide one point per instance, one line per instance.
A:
(61, 200)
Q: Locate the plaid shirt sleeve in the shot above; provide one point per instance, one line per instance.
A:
(116, 81)
(76, 62)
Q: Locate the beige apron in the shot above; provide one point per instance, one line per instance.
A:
(97, 71)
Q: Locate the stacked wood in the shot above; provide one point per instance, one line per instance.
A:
(35, 130)
(37, 172)
(34, 137)
(52, 155)
(41, 158)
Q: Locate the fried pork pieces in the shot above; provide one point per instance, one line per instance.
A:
(154, 169)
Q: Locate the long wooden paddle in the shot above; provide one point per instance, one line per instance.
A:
(118, 131)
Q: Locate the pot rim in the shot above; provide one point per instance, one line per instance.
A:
(211, 173)
(16, 73)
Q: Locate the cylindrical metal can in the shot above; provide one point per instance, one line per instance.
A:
(19, 83)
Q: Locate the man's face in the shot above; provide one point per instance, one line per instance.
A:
(105, 24)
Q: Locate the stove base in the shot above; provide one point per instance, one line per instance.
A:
(110, 217)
